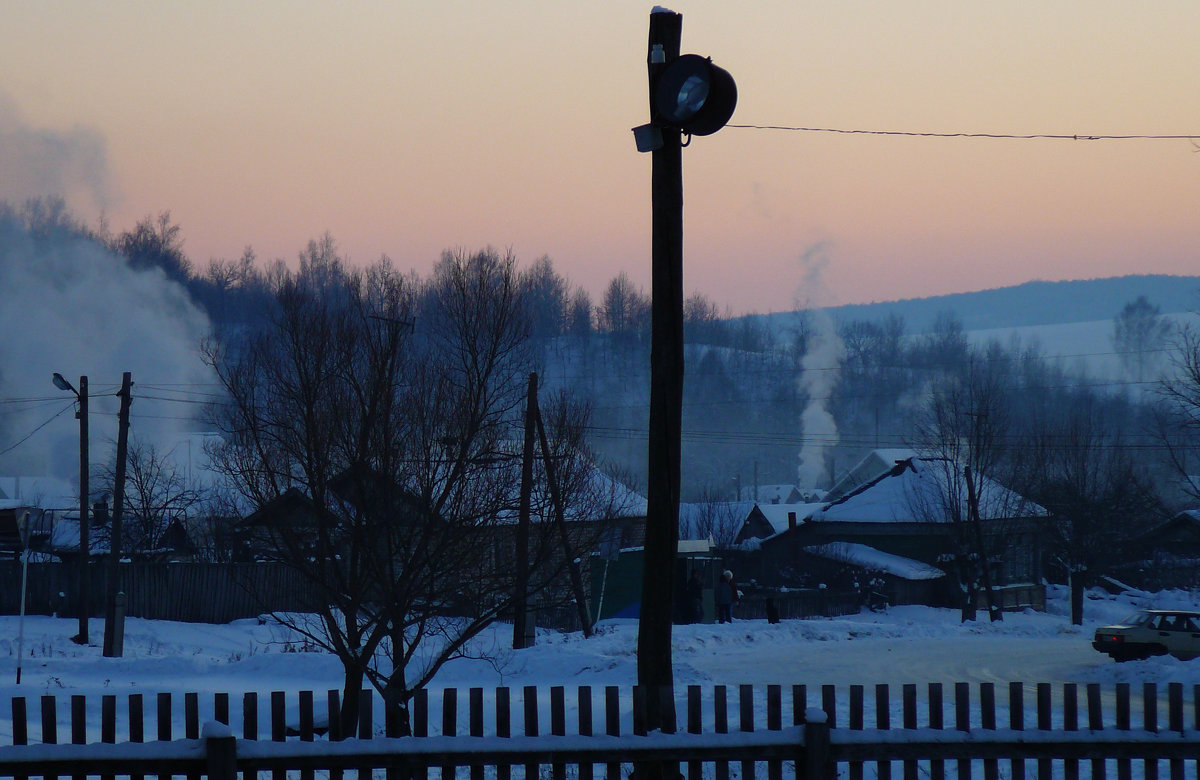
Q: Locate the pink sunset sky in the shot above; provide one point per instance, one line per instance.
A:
(409, 128)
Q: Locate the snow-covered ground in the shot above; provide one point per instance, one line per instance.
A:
(903, 645)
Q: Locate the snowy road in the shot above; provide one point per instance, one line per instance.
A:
(870, 661)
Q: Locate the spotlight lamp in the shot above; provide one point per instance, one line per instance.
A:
(689, 94)
(694, 95)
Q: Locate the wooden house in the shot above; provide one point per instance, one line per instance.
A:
(917, 510)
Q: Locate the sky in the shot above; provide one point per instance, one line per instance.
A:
(408, 129)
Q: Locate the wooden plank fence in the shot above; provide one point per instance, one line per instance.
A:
(189, 591)
(945, 731)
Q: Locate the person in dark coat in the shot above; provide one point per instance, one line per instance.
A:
(695, 598)
(726, 594)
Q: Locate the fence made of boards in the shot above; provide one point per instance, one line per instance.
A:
(722, 733)
(190, 591)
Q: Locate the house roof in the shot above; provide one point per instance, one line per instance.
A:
(913, 487)
(872, 465)
(601, 498)
(615, 500)
(282, 509)
(1184, 526)
(876, 560)
(774, 494)
(778, 514)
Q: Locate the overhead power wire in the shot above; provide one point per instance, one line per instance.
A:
(1010, 136)
(27, 436)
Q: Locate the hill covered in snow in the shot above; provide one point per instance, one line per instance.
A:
(1035, 303)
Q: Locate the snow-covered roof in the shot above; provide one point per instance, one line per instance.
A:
(778, 514)
(615, 499)
(872, 465)
(876, 560)
(602, 498)
(918, 490)
(774, 494)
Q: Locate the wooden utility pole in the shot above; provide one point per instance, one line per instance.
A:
(654, 663)
(521, 589)
(585, 615)
(994, 613)
(85, 541)
(112, 586)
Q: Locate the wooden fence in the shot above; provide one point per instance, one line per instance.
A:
(189, 591)
(941, 732)
(199, 592)
(799, 604)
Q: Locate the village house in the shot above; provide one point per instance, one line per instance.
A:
(1166, 556)
(907, 519)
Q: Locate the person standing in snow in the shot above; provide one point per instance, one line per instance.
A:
(726, 594)
(695, 598)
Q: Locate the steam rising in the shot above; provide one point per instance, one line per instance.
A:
(37, 162)
(68, 305)
(820, 369)
(75, 308)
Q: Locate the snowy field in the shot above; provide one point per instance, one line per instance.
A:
(904, 645)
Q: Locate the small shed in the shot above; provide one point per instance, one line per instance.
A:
(616, 579)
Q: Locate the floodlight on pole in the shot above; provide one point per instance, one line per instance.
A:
(695, 95)
(690, 95)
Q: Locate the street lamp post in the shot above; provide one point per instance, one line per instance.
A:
(85, 547)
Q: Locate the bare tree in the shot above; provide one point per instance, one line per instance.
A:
(579, 314)
(388, 437)
(158, 492)
(546, 294)
(1139, 334)
(1081, 470)
(155, 242)
(1177, 412)
(961, 430)
(625, 310)
(717, 518)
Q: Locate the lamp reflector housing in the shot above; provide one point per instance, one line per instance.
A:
(695, 95)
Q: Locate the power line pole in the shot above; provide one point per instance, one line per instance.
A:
(521, 591)
(994, 612)
(112, 586)
(654, 663)
(585, 615)
(85, 543)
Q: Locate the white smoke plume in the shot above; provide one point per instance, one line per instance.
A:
(68, 305)
(74, 308)
(39, 162)
(820, 369)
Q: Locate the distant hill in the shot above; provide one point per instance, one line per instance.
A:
(1032, 303)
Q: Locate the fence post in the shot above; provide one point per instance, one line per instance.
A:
(220, 750)
(817, 763)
